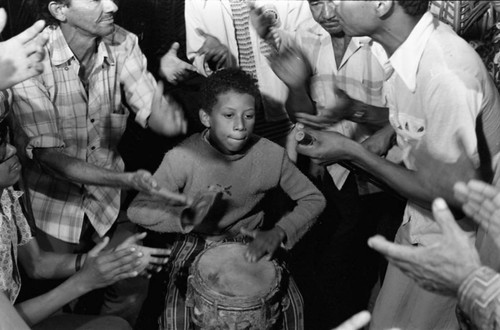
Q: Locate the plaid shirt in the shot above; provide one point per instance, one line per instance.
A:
(56, 111)
(360, 74)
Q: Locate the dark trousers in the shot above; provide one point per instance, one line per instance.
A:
(334, 267)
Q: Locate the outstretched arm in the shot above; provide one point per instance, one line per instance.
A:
(57, 163)
(101, 268)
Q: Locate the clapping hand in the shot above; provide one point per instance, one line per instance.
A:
(105, 267)
(217, 55)
(21, 56)
(173, 68)
(167, 117)
(481, 202)
(152, 259)
(265, 243)
(289, 65)
(343, 109)
(440, 266)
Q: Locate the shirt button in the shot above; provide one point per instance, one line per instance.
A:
(92, 148)
(66, 68)
(92, 120)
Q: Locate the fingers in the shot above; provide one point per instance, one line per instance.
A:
(173, 49)
(485, 190)
(132, 240)
(356, 322)
(157, 251)
(31, 32)
(3, 19)
(201, 33)
(99, 247)
(318, 122)
(391, 250)
(444, 217)
(249, 233)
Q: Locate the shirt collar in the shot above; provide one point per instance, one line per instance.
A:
(406, 58)
(61, 53)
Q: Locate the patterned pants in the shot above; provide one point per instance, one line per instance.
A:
(176, 315)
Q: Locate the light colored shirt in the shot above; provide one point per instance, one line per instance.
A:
(435, 97)
(360, 74)
(439, 91)
(215, 18)
(14, 232)
(479, 298)
(55, 111)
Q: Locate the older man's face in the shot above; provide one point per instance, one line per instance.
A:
(356, 17)
(94, 18)
(323, 13)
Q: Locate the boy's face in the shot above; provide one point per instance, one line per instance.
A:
(231, 121)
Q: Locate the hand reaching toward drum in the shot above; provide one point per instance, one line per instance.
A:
(265, 243)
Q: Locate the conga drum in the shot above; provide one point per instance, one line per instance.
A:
(227, 292)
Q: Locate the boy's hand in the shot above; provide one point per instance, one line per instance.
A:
(264, 243)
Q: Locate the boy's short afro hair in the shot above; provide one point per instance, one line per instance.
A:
(230, 79)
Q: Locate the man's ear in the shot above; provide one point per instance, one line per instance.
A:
(56, 9)
(204, 118)
(383, 8)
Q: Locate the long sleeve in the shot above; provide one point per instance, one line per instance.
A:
(479, 298)
(153, 212)
(310, 202)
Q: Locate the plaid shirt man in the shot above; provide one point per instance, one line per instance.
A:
(86, 120)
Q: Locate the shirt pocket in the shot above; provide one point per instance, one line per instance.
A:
(112, 128)
(410, 128)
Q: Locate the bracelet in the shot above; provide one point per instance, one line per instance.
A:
(78, 262)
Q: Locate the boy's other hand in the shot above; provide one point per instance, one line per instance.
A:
(265, 243)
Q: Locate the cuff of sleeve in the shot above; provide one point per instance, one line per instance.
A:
(44, 141)
(473, 289)
(142, 116)
(289, 230)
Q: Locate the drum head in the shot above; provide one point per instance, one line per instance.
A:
(225, 270)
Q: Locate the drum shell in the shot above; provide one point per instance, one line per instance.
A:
(212, 310)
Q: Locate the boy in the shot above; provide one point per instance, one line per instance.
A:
(227, 158)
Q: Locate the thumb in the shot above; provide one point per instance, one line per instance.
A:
(99, 247)
(249, 233)
(3, 19)
(201, 33)
(32, 32)
(173, 49)
(133, 240)
(443, 216)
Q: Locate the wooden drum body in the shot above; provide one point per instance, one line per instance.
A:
(227, 292)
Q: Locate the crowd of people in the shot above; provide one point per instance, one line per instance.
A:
(355, 144)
